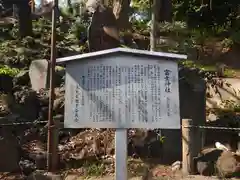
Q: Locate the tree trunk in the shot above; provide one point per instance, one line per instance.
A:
(164, 10)
(24, 18)
(14, 11)
(153, 32)
(121, 9)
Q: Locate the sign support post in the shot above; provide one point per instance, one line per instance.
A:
(121, 89)
(121, 172)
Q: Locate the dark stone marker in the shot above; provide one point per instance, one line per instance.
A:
(97, 38)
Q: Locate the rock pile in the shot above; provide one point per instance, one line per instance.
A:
(22, 105)
(217, 162)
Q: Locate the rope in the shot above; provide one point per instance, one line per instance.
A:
(199, 127)
(213, 127)
(24, 123)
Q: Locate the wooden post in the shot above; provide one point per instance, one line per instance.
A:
(187, 147)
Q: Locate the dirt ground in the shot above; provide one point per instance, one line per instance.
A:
(111, 177)
(195, 177)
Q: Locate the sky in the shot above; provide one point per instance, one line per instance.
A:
(61, 3)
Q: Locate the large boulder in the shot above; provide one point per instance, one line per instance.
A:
(27, 103)
(6, 83)
(6, 103)
(205, 162)
(217, 162)
(21, 79)
(36, 152)
(27, 167)
(144, 143)
(227, 164)
(58, 105)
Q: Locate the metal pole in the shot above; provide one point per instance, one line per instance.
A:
(51, 147)
(121, 172)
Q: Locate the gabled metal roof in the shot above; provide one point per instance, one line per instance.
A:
(127, 51)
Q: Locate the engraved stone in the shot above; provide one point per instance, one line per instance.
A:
(38, 72)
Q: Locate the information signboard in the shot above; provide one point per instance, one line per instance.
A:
(122, 92)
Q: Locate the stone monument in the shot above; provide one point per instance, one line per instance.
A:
(103, 32)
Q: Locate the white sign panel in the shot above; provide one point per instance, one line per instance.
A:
(122, 93)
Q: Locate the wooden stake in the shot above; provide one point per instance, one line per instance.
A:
(187, 147)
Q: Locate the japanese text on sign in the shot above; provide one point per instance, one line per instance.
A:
(122, 95)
